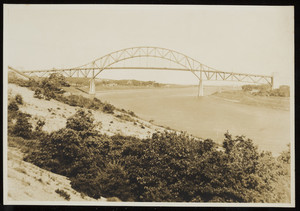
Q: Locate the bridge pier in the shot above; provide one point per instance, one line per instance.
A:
(274, 81)
(92, 87)
(200, 87)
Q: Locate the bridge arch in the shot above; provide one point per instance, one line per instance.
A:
(181, 59)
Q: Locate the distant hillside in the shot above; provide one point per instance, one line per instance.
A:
(113, 83)
(240, 96)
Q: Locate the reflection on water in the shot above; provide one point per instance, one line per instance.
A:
(206, 117)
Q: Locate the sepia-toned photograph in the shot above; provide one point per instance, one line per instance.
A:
(148, 105)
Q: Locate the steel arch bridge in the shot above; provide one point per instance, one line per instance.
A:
(201, 71)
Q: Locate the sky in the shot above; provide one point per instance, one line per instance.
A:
(245, 39)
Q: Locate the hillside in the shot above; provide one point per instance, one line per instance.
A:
(29, 182)
(239, 96)
(55, 114)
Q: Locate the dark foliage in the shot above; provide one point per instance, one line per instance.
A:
(19, 99)
(13, 106)
(80, 101)
(63, 194)
(108, 108)
(39, 125)
(38, 93)
(166, 167)
(59, 80)
(23, 82)
(81, 121)
(23, 127)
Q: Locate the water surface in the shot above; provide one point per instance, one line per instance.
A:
(205, 117)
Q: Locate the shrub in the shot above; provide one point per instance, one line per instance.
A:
(81, 121)
(116, 186)
(285, 156)
(23, 82)
(49, 93)
(125, 117)
(19, 99)
(23, 127)
(108, 108)
(77, 100)
(38, 93)
(132, 113)
(63, 194)
(39, 125)
(13, 106)
(284, 91)
(58, 79)
(247, 88)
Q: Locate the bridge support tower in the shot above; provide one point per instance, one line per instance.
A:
(92, 87)
(274, 82)
(200, 87)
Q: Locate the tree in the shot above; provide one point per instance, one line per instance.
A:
(81, 121)
(23, 127)
(58, 79)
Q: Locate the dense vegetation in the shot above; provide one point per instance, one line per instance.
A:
(166, 167)
(266, 90)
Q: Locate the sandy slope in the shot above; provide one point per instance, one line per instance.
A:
(27, 182)
(55, 114)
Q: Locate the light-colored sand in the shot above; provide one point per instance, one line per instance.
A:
(55, 115)
(27, 182)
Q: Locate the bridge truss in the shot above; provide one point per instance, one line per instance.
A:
(202, 72)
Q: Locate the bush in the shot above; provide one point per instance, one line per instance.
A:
(81, 121)
(118, 185)
(23, 127)
(13, 106)
(38, 93)
(19, 99)
(108, 108)
(23, 82)
(284, 91)
(63, 194)
(132, 113)
(59, 80)
(125, 117)
(39, 125)
(247, 88)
